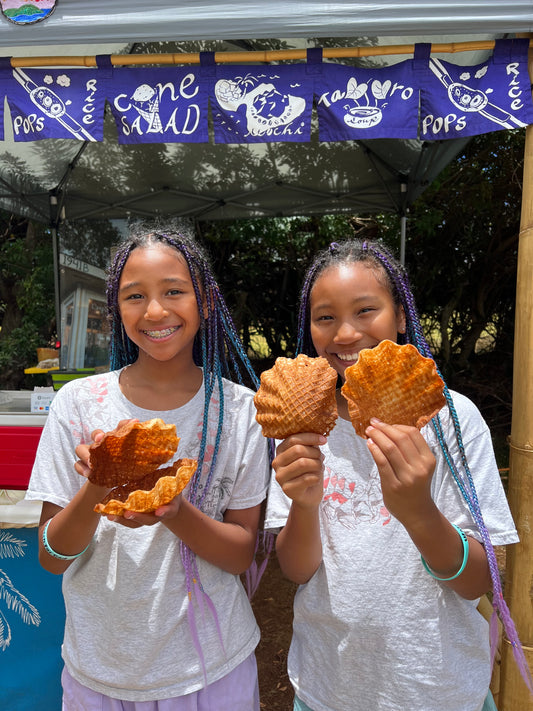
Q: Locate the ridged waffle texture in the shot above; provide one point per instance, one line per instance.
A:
(394, 383)
(152, 491)
(297, 395)
(131, 451)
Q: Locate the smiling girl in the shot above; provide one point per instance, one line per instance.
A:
(157, 617)
(385, 535)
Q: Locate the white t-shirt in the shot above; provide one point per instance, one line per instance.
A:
(127, 632)
(373, 631)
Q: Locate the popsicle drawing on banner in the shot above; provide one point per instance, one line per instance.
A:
(27, 12)
(464, 100)
(261, 107)
(56, 104)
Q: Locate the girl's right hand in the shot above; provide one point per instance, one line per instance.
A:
(299, 467)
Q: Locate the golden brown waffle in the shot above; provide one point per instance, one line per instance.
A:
(297, 395)
(152, 491)
(394, 383)
(131, 451)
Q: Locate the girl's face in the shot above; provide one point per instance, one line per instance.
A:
(157, 303)
(350, 309)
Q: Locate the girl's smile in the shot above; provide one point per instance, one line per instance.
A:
(351, 309)
(158, 335)
(158, 304)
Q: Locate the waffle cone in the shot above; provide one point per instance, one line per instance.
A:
(131, 451)
(394, 383)
(149, 493)
(297, 395)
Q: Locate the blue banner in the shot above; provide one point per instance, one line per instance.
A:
(355, 103)
(159, 105)
(56, 103)
(32, 621)
(471, 100)
(424, 97)
(261, 104)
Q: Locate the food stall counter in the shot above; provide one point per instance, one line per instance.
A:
(20, 430)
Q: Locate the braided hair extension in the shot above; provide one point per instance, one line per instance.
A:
(218, 350)
(391, 274)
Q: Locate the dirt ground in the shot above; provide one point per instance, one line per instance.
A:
(272, 604)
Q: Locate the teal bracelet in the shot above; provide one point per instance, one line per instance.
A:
(48, 548)
(464, 540)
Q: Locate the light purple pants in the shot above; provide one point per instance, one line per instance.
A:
(237, 691)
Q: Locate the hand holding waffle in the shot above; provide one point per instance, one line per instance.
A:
(127, 460)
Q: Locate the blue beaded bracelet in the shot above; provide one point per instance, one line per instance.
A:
(464, 540)
(48, 548)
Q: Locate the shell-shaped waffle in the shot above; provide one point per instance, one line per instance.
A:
(297, 395)
(131, 451)
(154, 490)
(394, 383)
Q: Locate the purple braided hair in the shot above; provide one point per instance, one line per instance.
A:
(218, 349)
(392, 274)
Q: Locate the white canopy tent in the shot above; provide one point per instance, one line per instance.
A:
(77, 22)
(217, 182)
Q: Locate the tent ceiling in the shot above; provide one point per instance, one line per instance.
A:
(105, 180)
(74, 21)
(208, 181)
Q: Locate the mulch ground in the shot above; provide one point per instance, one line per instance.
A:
(272, 604)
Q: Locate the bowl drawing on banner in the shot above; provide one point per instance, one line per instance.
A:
(363, 116)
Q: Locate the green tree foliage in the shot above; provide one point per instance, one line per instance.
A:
(26, 297)
(260, 266)
(462, 247)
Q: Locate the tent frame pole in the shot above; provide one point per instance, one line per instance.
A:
(514, 693)
(123, 60)
(54, 221)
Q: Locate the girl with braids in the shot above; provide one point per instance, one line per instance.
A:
(157, 617)
(385, 535)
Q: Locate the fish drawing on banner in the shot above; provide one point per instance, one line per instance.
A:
(15, 601)
(268, 111)
(51, 106)
(27, 12)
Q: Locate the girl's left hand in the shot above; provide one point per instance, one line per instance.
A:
(406, 465)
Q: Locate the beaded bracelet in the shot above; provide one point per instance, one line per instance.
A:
(464, 540)
(52, 552)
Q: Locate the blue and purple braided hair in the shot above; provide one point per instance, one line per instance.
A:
(392, 275)
(217, 349)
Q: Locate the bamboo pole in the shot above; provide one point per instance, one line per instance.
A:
(119, 60)
(514, 694)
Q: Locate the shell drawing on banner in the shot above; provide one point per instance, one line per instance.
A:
(265, 106)
(27, 12)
